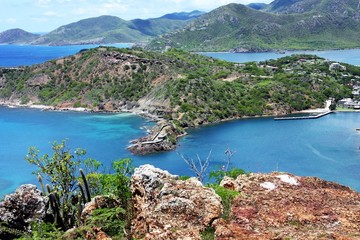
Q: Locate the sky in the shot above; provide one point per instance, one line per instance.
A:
(46, 15)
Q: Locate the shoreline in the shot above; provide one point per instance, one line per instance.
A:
(42, 107)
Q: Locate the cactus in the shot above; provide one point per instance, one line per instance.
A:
(55, 208)
(85, 185)
(79, 209)
(83, 197)
(42, 184)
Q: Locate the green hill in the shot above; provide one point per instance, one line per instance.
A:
(177, 85)
(104, 29)
(296, 24)
(110, 29)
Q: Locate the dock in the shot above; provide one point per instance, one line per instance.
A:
(304, 117)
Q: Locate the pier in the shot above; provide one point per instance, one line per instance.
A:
(304, 117)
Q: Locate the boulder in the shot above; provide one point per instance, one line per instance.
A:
(283, 206)
(21, 208)
(167, 208)
(98, 202)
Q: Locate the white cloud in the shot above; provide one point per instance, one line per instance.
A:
(51, 14)
(40, 20)
(10, 20)
(79, 11)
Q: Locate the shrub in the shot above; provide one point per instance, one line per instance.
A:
(227, 197)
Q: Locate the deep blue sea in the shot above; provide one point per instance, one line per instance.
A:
(327, 147)
(351, 56)
(25, 55)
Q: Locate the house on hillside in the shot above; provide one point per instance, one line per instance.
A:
(336, 66)
(349, 103)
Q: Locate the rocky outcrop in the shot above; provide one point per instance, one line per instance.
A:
(21, 208)
(167, 208)
(163, 137)
(39, 80)
(283, 206)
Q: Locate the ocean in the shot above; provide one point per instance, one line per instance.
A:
(351, 56)
(26, 55)
(327, 147)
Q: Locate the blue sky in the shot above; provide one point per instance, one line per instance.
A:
(46, 15)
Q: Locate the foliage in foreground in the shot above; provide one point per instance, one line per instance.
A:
(70, 187)
(63, 166)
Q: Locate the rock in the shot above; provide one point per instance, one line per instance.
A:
(167, 208)
(297, 208)
(161, 138)
(98, 202)
(228, 183)
(97, 233)
(21, 208)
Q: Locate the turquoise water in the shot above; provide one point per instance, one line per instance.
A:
(19, 55)
(327, 147)
(351, 56)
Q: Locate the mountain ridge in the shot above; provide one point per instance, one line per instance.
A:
(300, 24)
(17, 36)
(107, 29)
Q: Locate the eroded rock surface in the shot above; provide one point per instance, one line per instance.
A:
(283, 206)
(167, 208)
(98, 202)
(21, 208)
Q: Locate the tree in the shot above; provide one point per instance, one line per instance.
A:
(332, 107)
(199, 167)
(61, 170)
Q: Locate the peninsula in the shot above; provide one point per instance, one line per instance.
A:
(177, 89)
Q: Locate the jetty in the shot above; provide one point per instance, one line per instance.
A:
(303, 117)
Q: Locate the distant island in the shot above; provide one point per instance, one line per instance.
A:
(102, 30)
(178, 89)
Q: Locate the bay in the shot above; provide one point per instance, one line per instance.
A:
(327, 147)
(350, 56)
(26, 55)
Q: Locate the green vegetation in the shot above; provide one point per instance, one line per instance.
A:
(187, 89)
(208, 234)
(70, 189)
(60, 169)
(227, 197)
(103, 29)
(302, 25)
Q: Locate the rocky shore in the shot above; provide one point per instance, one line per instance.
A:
(162, 137)
(269, 206)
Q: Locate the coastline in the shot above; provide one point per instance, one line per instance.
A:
(42, 107)
(174, 133)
